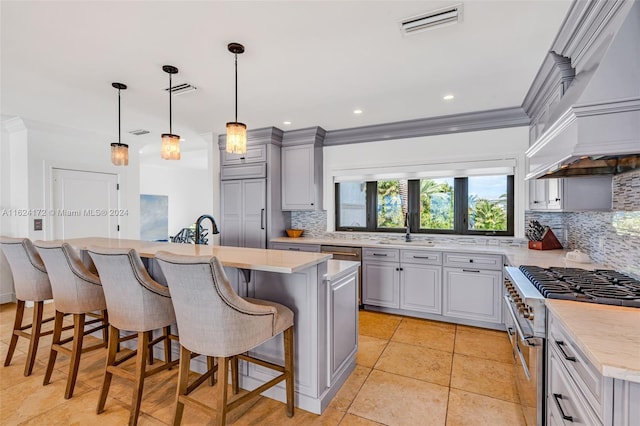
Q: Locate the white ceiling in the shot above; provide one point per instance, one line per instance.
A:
(308, 62)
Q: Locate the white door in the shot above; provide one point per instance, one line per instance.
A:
(85, 204)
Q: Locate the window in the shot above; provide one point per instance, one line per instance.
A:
(351, 205)
(480, 205)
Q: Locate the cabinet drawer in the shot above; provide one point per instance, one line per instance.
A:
(479, 261)
(248, 171)
(565, 404)
(576, 363)
(254, 154)
(314, 248)
(384, 255)
(421, 257)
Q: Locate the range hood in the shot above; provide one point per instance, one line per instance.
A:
(594, 127)
(589, 139)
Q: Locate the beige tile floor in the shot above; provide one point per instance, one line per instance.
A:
(409, 372)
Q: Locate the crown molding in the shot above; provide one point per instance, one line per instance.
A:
(310, 135)
(456, 123)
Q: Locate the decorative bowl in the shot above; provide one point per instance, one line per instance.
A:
(294, 233)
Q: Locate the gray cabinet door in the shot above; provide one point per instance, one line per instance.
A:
(244, 213)
(343, 322)
(231, 220)
(473, 294)
(381, 282)
(420, 288)
(254, 213)
(298, 185)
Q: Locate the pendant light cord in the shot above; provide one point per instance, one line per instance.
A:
(236, 56)
(170, 129)
(119, 131)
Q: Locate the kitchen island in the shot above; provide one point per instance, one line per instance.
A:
(321, 293)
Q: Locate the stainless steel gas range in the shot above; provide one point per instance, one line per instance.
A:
(526, 288)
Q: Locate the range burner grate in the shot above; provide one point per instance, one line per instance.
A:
(599, 286)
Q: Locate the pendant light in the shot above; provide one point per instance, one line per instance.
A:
(119, 150)
(170, 142)
(236, 132)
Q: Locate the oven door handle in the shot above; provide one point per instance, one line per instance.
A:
(527, 340)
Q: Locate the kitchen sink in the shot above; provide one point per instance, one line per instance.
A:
(409, 243)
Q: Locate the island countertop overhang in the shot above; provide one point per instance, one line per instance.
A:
(236, 257)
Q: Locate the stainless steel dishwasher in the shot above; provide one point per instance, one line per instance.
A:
(353, 254)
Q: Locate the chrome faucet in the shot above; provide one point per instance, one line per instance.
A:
(214, 230)
(407, 236)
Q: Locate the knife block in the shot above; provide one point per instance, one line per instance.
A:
(549, 241)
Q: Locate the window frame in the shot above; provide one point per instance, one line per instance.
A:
(461, 210)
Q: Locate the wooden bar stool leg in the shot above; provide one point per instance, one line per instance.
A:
(17, 323)
(141, 364)
(211, 363)
(288, 368)
(166, 331)
(235, 386)
(114, 343)
(76, 352)
(183, 383)
(150, 352)
(223, 379)
(105, 330)
(53, 353)
(36, 327)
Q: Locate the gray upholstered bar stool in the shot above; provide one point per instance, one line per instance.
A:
(136, 303)
(31, 284)
(215, 321)
(76, 291)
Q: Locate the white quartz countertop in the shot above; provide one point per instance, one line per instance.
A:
(608, 335)
(338, 268)
(237, 257)
(515, 256)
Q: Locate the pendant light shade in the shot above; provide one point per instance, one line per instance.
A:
(236, 132)
(170, 142)
(170, 146)
(119, 150)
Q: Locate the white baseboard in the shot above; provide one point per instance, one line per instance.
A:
(7, 298)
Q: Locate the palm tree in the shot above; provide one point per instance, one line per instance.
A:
(488, 215)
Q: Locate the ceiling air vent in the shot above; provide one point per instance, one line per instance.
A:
(138, 132)
(433, 19)
(181, 89)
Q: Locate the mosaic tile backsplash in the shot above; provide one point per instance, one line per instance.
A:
(611, 238)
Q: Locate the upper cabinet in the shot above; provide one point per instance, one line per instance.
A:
(302, 169)
(572, 194)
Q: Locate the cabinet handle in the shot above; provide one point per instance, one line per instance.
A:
(380, 254)
(560, 344)
(293, 249)
(422, 257)
(471, 270)
(397, 269)
(242, 158)
(261, 218)
(536, 202)
(341, 253)
(557, 397)
(311, 203)
(510, 331)
(470, 260)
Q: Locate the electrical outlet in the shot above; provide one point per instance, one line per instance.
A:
(601, 243)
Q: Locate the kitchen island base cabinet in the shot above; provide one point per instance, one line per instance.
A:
(325, 334)
(472, 294)
(577, 390)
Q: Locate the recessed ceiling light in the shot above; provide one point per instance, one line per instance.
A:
(357, 111)
(447, 97)
(286, 123)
